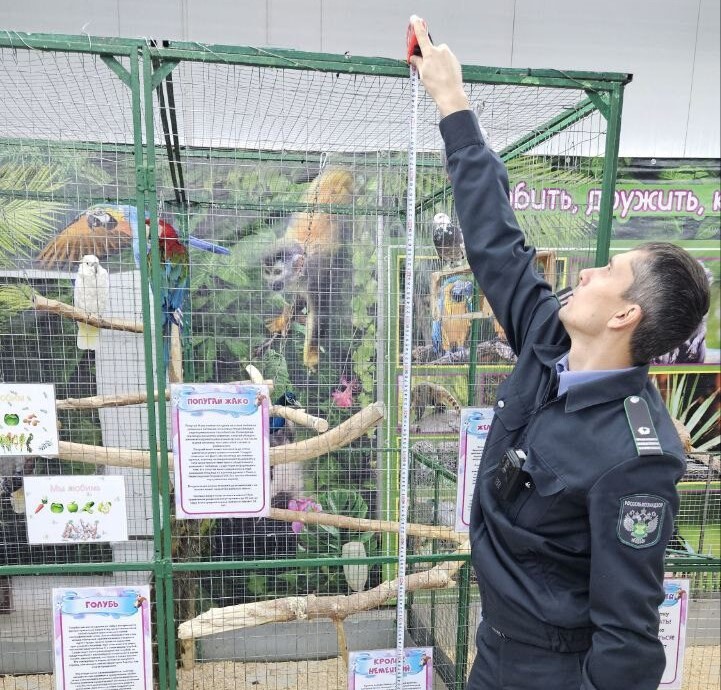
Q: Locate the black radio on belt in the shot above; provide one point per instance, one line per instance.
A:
(510, 477)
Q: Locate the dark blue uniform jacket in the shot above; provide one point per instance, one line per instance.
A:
(575, 561)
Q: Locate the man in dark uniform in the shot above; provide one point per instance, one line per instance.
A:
(575, 497)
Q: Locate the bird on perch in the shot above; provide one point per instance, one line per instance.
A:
(174, 271)
(102, 231)
(90, 294)
(282, 429)
(450, 330)
(448, 241)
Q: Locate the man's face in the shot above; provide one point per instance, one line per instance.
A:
(598, 297)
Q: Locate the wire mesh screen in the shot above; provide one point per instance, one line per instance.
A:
(67, 146)
(447, 620)
(282, 191)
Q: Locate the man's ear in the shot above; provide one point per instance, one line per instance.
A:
(628, 317)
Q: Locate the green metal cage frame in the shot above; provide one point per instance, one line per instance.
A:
(149, 64)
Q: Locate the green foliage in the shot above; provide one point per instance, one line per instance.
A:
(25, 221)
(363, 309)
(699, 416)
(552, 228)
(314, 541)
(15, 298)
(326, 541)
(276, 368)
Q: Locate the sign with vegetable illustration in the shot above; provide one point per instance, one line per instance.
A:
(28, 423)
(75, 509)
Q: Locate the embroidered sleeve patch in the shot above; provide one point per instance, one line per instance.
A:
(640, 519)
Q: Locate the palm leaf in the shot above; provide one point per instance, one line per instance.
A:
(683, 388)
(698, 415)
(24, 221)
(73, 165)
(711, 444)
(14, 299)
(551, 228)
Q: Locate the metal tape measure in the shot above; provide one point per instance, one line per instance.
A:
(406, 387)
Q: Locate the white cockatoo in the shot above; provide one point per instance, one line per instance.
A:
(91, 296)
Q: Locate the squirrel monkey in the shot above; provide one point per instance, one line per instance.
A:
(302, 263)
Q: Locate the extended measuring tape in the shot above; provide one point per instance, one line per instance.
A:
(412, 49)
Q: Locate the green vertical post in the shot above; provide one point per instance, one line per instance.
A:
(187, 347)
(436, 501)
(141, 184)
(152, 203)
(464, 601)
(411, 518)
(610, 168)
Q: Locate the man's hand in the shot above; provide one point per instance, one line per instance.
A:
(440, 72)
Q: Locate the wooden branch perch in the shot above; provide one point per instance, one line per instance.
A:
(41, 303)
(96, 401)
(300, 417)
(255, 376)
(332, 440)
(175, 358)
(365, 525)
(311, 606)
(354, 427)
(104, 455)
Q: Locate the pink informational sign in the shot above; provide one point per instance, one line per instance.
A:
(102, 638)
(221, 450)
(475, 425)
(672, 630)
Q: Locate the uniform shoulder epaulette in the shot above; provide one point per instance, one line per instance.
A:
(642, 429)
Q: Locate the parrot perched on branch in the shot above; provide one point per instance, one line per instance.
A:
(102, 231)
(90, 294)
(174, 270)
(99, 231)
(450, 327)
(448, 241)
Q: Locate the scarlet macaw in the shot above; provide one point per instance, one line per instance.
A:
(174, 269)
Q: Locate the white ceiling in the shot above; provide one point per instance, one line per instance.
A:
(672, 48)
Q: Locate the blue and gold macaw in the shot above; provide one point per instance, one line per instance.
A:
(450, 330)
(282, 429)
(106, 229)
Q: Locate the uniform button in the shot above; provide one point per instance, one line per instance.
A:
(501, 403)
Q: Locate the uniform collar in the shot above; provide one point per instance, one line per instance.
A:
(550, 354)
(612, 387)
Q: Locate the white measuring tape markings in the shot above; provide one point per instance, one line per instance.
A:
(406, 387)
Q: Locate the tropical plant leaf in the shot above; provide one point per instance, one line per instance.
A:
(698, 415)
(26, 222)
(15, 298)
(711, 444)
(682, 388)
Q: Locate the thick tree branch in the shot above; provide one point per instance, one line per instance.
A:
(332, 440)
(41, 303)
(312, 607)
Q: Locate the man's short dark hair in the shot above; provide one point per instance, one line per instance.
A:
(672, 290)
